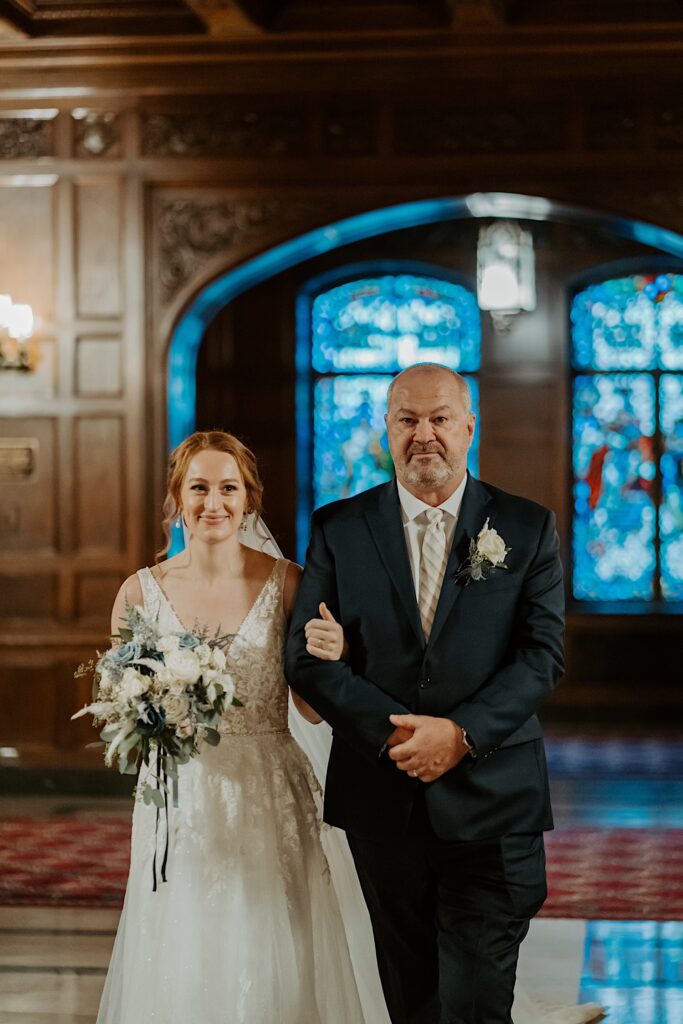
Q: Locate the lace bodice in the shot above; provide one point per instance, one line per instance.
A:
(254, 655)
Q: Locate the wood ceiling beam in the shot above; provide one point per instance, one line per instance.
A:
(101, 17)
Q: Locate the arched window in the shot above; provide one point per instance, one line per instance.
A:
(353, 338)
(627, 358)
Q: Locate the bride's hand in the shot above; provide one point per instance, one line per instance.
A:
(325, 637)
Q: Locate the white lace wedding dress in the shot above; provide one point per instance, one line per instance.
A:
(247, 929)
(261, 920)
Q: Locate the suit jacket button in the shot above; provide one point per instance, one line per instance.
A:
(424, 683)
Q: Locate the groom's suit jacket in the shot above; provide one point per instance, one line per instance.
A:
(494, 653)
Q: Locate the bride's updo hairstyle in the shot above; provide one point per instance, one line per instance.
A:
(178, 464)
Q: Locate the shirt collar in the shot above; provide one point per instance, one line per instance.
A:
(412, 507)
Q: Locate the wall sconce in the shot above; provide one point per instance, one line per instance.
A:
(16, 319)
(506, 282)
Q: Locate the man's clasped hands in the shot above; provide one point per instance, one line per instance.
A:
(424, 746)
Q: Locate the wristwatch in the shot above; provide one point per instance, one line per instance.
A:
(471, 750)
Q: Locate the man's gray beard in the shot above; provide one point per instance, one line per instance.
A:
(434, 476)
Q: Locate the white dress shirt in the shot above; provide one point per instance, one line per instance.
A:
(415, 523)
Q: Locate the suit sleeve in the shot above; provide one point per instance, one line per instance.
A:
(357, 709)
(515, 692)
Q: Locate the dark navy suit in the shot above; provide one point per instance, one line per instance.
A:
(451, 870)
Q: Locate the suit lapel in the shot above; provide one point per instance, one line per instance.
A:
(470, 521)
(386, 526)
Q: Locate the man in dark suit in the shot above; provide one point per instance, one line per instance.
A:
(450, 595)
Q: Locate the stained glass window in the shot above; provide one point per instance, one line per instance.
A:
(388, 323)
(359, 335)
(628, 439)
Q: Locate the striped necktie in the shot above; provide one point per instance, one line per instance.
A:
(432, 567)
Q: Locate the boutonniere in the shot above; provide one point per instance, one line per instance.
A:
(487, 552)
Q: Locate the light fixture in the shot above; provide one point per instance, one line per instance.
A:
(17, 324)
(505, 272)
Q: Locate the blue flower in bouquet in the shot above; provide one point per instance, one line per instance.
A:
(124, 654)
(188, 641)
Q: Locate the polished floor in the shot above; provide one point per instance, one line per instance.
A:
(53, 962)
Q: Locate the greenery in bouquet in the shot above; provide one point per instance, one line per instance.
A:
(158, 696)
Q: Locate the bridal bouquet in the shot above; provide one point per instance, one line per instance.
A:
(159, 695)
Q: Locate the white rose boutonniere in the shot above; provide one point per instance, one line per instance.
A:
(487, 551)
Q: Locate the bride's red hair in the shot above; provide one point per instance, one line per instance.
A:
(179, 461)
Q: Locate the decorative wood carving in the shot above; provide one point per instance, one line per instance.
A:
(96, 134)
(669, 126)
(192, 232)
(611, 126)
(350, 131)
(434, 130)
(243, 132)
(26, 138)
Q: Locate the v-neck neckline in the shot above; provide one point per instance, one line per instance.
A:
(244, 620)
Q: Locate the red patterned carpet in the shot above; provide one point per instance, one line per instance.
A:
(618, 874)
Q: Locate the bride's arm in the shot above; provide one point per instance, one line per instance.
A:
(292, 578)
(130, 593)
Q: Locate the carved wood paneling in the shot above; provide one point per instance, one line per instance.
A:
(98, 255)
(96, 134)
(192, 232)
(350, 130)
(99, 369)
(668, 129)
(515, 128)
(30, 596)
(27, 241)
(26, 137)
(28, 506)
(16, 726)
(95, 593)
(100, 484)
(242, 131)
(612, 125)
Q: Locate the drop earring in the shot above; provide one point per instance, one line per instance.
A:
(178, 523)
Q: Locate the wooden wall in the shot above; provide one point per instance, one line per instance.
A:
(174, 165)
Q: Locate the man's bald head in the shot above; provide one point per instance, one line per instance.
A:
(430, 372)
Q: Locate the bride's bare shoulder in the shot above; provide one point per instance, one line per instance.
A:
(130, 592)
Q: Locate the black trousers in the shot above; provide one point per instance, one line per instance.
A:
(448, 919)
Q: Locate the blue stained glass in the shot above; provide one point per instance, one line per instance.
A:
(671, 327)
(351, 452)
(671, 463)
(629, 323)
(387, 323)
(614, 473)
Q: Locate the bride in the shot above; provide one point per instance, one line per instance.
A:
(261, 919)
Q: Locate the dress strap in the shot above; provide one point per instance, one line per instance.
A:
(151, 593)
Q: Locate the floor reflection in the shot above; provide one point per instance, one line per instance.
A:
(635, 970)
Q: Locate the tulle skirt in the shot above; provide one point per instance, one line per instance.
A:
(247, 927)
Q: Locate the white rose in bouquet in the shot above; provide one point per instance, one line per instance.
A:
(184, 666)
(168, 644)
(177, 707)
(133, 684)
